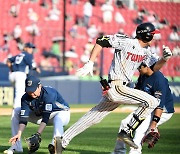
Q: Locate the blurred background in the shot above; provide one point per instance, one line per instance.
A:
(64, 32)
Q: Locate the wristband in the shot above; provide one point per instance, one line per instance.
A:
(155, 118)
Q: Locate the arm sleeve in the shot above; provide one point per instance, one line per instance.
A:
(30, 61)
(103, 41)
(25, 110)
(139, 82)
(45, 117)
(151, 59)
(12, 59)
(160, 92)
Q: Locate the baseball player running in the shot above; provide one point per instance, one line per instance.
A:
(19, 66)
(128, 55)
(155, 84)
(42, 105)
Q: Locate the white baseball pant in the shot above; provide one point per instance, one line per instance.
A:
(117, 94)
(58, 119)
(18, 81)
(120, 147)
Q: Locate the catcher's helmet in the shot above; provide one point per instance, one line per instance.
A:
(145, 32)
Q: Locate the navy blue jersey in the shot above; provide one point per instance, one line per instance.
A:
(157, 86)
(21, 61)
(49, 101)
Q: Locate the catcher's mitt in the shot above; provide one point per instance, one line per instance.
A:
(151, 137)
(33, 142)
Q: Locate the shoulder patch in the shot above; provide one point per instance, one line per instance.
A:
(48, 107)
(22, 112)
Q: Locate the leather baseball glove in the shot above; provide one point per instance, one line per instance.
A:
(33, 142)
(151, 138)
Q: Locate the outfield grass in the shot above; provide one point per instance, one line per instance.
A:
(98, 139)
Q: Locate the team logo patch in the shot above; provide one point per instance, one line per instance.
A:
(48, 107)
(22, 112)
(158, 94)
(29, 83)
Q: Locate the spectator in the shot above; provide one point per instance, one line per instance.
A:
(151, 17)
(71, 53)
(33, 16)
(55, 49)
(74, 31)
(14, 10)
(176, 51)
(87, 50)
(74, 2)
(174, 36)
(33, 29)
(16, 34)
(119, 4)
(107, 10)
(141, 16)
(5, 45)
(87, 12)
(53, 14)
(156, 49)
(45, 64)
(92, 31)
(43, 3)
(121, 31)
(119, 18)
(163, 23)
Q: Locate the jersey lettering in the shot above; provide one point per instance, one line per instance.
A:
(135, 57)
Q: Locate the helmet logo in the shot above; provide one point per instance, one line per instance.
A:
(142, 31)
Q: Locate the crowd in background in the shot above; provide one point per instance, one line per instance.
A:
(95, 18)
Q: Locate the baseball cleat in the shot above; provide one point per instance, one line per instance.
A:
(126, 138)
(51, 149)
(58, 145)
(12, 150)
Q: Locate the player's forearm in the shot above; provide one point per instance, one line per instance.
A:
(159, 64)
(95, 52)
(21, 129)
(41, 127)
(9, 64)
(156, 117)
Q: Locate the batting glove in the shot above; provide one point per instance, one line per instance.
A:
(166, 53)
(86, 69)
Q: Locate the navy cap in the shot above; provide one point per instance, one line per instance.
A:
(29, 45)
(32, 83)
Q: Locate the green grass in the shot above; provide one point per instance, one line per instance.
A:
(98, 139)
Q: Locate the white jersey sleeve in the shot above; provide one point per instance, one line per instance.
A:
(151, 58)
(117, 40)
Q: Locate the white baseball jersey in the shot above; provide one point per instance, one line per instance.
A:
(127, 57)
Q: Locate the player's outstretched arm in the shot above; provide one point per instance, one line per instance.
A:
(18, 136)
(88, 67)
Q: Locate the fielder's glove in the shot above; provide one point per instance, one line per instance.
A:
(86, 69)
(166, 53)
(151, 138)
(33, 142)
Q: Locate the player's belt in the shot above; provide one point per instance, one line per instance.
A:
(117, 82)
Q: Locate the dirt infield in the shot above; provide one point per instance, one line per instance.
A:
(7, 111)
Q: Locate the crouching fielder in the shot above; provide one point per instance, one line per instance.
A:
(128, 55)
(43, 106)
